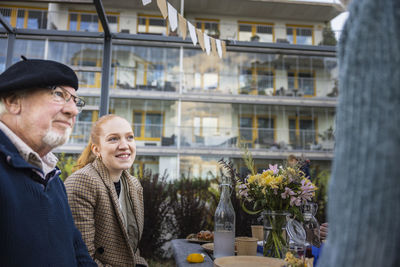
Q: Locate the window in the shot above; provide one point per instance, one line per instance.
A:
(145, 163)
(148, 125)
(302, 132)
(250, 30)
(209, 26)
(256, 80)
(88, 21)
(205, 126)
(28, 18)
(151, 24)
(302, 82)
(257, 129)
(300, 34)
(207, 80)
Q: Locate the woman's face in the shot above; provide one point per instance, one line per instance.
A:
(117, 146)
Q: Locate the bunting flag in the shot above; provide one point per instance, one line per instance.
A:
(223, 48)
(146, 2)
(210, 45)
(182, 26)
(200, 37)
(207, 43)
(219, 48)
(162, 5)
(172, 17)
(192, 32)
(213, 47)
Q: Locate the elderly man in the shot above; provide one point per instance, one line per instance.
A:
(38, 106)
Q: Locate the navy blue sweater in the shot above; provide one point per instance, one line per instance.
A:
(36, 225)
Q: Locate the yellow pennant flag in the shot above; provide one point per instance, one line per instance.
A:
(162, 5)
(182, 26)
(223, 48)
(200, 38)
(213, 47)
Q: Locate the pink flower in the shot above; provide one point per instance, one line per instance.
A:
(273, 168)
(288, 192)
(307, 190)
(295, 200)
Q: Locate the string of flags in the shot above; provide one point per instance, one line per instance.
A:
(210, 45)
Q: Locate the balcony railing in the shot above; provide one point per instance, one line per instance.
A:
(218, 138)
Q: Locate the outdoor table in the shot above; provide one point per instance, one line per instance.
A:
(182, 248)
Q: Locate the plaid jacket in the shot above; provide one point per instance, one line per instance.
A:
(95, 208)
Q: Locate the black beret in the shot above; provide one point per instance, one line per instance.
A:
(36, 73)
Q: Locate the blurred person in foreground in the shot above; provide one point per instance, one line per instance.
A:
(364, 192)
(106, 201)
(38, 107)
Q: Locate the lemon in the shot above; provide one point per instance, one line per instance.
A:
(195, 258)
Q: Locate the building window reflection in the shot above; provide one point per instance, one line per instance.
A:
(148, 125)
(256, 31)
(301, 83)
(151, 24)
(302, 132)
(297, 34)
(208, 26)
(25, 18)
(89, 21)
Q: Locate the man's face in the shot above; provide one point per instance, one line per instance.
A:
(43, 123)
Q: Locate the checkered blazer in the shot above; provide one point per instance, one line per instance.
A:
(95, 208)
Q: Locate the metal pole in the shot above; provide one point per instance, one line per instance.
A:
(10, 49)
(105, 77)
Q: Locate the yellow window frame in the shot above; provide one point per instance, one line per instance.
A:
(203, 21)
(254, 76)
(141, 166)
(14, 12)
(79, 13)
(254, 125)
(295, 27)
(202, 116)
(297, 121)
(147, 18)
(143, 125)
(296, 79)
(254, 25)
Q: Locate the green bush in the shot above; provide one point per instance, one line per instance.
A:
(157, 215)
(65, 164)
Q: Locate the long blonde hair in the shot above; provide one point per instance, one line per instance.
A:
(87, 155)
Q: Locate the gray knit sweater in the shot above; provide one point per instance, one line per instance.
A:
(364, 197)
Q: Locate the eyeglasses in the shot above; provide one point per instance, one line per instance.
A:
(62, 96)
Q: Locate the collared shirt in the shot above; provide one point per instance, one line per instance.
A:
(47, 163)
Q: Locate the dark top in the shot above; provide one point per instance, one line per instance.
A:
(36, 225)
(118, 187)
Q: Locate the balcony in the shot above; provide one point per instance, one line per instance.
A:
(223, 139)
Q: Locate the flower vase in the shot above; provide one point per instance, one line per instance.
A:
(275, 238)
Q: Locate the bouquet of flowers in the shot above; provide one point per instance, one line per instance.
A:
(277, 192)
(276, 189)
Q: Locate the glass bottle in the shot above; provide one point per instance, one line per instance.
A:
(224, 230)
(311, 224)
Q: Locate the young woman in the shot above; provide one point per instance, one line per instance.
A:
(106, 201)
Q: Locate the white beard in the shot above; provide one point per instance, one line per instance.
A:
(54, 139)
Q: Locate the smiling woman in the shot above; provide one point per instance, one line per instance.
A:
(106, 201)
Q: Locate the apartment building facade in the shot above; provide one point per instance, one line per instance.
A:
(274, 91)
